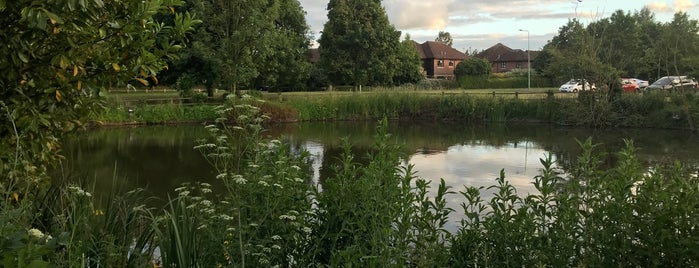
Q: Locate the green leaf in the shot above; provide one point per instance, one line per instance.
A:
(23, 57)
(55, 19)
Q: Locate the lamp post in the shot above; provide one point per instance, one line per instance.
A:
(529, 64)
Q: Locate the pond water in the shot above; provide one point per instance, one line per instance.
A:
(161, 158)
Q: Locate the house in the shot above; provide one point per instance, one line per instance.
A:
(505, 59)
(314, 55)
(438, 59)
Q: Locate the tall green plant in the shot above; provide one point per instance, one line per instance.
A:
(591, 216)
(378, 214)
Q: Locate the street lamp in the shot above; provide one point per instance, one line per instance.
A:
(529, 64)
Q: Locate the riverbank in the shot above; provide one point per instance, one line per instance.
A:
(671, 110)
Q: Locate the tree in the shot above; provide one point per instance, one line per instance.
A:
(444, 37)
(473, 67)
(409, 65)
(357, 51)
(619, 41)
(59, 55)
(676, 47)
(246, 44)
(574, 53)
(283, 60)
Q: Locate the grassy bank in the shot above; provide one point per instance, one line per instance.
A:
(678, 110)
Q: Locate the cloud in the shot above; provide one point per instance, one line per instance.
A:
(418, 14)
(658, 7)
(683, 5)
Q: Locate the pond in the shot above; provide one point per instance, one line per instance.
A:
(161, 158)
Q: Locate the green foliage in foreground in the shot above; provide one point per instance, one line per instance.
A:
(377, 214)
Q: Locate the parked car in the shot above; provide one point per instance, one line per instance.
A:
(633, 84)
(673, 82)
(575, 85)
(628, 85)
(641, 83)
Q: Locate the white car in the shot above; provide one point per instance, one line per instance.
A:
(575, 85)
(641, 83)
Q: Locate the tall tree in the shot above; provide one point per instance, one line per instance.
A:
(677, 47)
(358, 44)
(246, 44)
(619, 41)
(574, 53)
(445, 38)
(283, 60)
(409, 65)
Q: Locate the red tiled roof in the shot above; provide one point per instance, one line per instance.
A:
(437, 50)
(500, 53)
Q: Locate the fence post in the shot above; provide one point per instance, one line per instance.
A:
(493, 94)
(516, 95)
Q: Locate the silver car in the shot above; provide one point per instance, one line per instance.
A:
(673, 82)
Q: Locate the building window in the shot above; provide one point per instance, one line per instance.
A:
(440, 63)
(451, 63)
(503, 65)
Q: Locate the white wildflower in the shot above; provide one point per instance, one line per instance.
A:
(277, 247)
(180, 189)
(278, 186)
(36, 233)
(204, 184)
(239, 179)
(276, 237)
(263, 183)
(184, 193)
(206, 203)
(253, 166)
(306, 230)
(230, 230)
(206, 190)
(297, 179)
(296, 167)
(287, 217)
(221, 176)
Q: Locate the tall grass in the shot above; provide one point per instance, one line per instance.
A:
(423, 107)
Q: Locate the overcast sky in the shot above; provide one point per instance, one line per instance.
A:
(479, 24)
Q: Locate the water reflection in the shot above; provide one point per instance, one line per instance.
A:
(161, 158)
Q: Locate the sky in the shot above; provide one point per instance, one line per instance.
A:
(479, 24)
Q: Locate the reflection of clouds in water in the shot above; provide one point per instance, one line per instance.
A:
(479, 165)
(316, 151)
